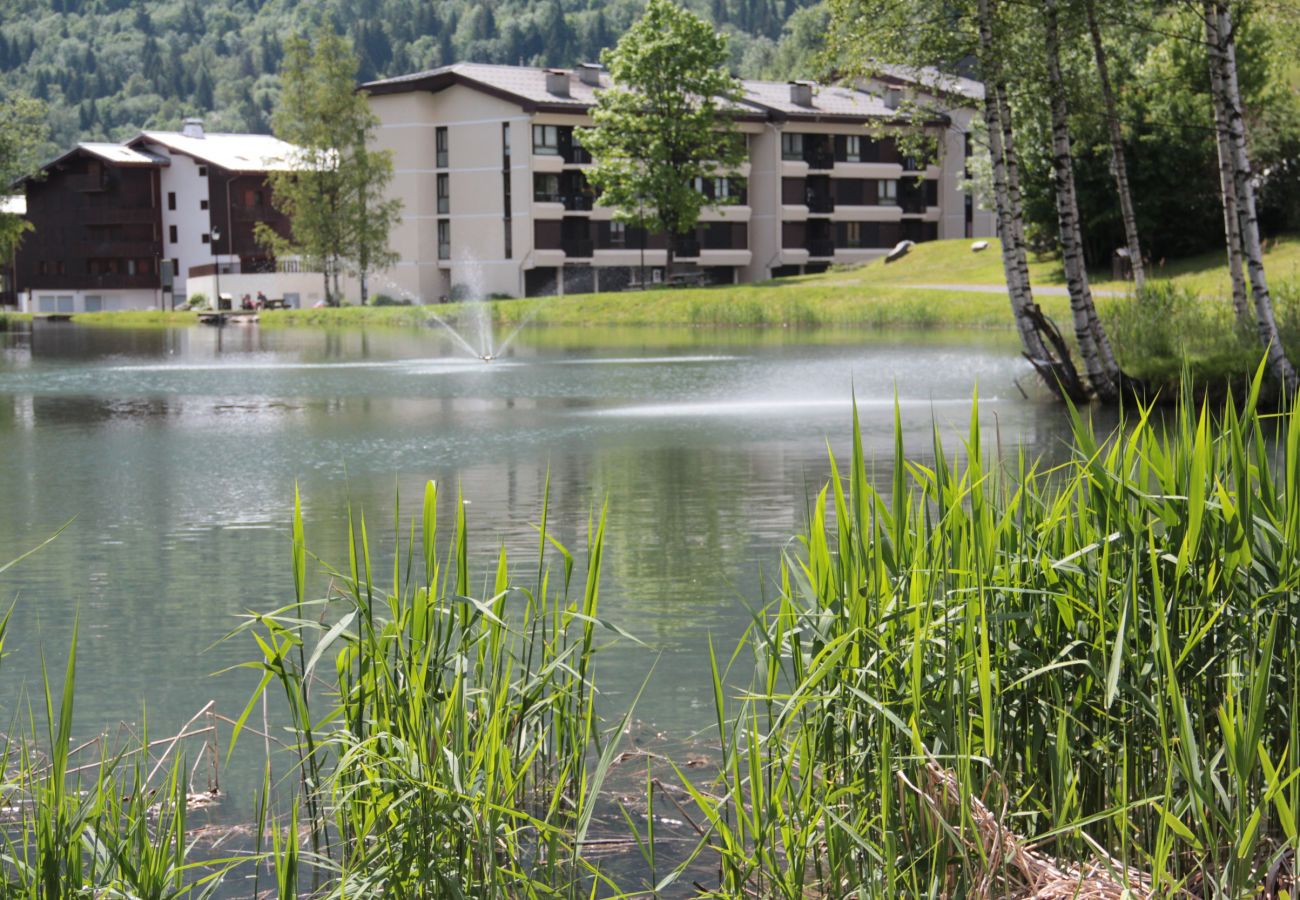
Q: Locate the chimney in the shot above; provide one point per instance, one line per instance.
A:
(892, 97)
(192, 128)
(801, 93)
(557, 82)
(589, 73)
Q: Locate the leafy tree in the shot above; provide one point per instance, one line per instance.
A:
(333, 195)
(667, 121)
(22, 141)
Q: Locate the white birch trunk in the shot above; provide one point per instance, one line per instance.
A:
(1119, 166)
(1223, 58)
(1018, 289)
(1228, 195)
(1094, 347)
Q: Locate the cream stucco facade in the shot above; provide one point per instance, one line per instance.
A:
(495, 201)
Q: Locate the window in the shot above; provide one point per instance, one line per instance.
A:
(617, 234)
(444, 239)
(43, 267)
(58, 267)
(66, 304)
(93, 304)
(203, 204)
(509, 240)
(444, 194)
(791, 146)
(546, 187)
(853, 148)
(203, 171)
(546, 140)
(505, 193)
(171, 233)
(722, 188)
(888, 193)
(176, 268)
(440, 146)
(171, 200)
(505, 143)
(207, 238)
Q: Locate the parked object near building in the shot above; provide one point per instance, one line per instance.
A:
(108, 216)
(497, 200)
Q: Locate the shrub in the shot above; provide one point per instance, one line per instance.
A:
(385, 300)
(196, 301)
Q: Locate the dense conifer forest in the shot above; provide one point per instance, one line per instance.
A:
(110, 67)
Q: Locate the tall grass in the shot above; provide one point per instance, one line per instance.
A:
(1101, 658)
(449, 745)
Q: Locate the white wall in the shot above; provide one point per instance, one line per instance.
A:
(309, 286)
(71, 301)
(191, 220)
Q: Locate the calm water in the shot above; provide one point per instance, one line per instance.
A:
(174, 455)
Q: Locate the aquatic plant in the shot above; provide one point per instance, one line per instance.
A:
(992, 679)
(448, 745)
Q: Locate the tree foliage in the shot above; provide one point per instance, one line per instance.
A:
(666, 122)
(108, 68)
(22, 142)
(334, 194)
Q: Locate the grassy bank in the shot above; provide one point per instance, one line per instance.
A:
(10, 319)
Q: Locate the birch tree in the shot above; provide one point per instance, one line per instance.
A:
(1119, 165)
(1094, 347)
(1226, 97)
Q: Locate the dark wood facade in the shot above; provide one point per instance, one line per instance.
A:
(238, 202)
(96, 225)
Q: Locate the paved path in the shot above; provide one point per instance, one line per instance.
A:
(1044, 290)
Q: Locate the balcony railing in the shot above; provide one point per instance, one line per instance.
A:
(576, 156)
(577, 248)
(91, 282)
(86, 183)
(821, 203)
(579, 202)
(116, 215)
(820, 159)
(821, 247)
(548, 197)
(119, 249)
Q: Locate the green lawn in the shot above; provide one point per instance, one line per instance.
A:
(874, 295)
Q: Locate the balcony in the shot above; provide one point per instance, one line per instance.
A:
(117, 215)
(256, 213)
(820, 159)
(86, 183)
(111, 281)
(686, 248)
(579, 249)
(821, 204)
(119, 249)
(823, 247)
(578, 202)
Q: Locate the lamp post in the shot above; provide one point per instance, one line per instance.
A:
(216, 265)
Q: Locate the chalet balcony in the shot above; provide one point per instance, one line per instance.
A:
(86, 183)
(118, 249)
(110, 281)
(252, 213)
(117, 215)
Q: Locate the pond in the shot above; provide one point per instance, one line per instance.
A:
(172, 458)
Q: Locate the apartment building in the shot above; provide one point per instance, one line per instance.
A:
(128, 226)
(496, 198)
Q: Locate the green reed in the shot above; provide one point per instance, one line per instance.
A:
(448, 745)
(1105, 653)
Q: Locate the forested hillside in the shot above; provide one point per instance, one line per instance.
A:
(109, 67)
